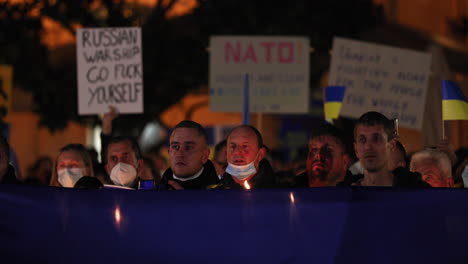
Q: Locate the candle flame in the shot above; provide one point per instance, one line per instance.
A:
(246, 185)
(117, 215)
(291, 197)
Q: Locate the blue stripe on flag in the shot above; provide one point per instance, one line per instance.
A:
(334, 93)
(451, 91)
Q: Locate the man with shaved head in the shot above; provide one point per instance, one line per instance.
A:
(189, 152)
(245, 154)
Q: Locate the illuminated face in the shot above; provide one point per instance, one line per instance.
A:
(72, 159)
(188, 151)
(242, 147)
(326, 160)
(431, 173)
(372, 147)
(121, 152)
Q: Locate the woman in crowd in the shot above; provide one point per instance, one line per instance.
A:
(72, 163)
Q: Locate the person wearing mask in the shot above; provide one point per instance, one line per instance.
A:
(71, 164)
(188, 152)
(123, 161)
(247, 167)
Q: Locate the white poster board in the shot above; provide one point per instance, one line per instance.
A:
(380, 78)
(278, 70)
(110, 70)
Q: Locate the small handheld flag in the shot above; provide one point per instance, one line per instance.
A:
(454, 104)
(332, 103)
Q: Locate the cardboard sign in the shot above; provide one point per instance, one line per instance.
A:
(380, 78)
(110, 70)
(277, 69)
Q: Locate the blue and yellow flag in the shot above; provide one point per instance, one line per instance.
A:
(332, 103)
(454, 104)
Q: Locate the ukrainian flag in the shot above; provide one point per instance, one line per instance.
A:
(332, 103)
(454, 104)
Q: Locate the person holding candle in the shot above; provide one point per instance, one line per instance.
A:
(245, 154)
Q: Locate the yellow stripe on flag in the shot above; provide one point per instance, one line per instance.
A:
(332, 110)
(454, 110)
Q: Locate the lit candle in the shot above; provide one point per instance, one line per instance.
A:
(117, 216)
(291, 197)
(246, 185)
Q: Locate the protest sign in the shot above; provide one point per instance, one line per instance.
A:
(110, 70)
(392, 81)
(277, 70)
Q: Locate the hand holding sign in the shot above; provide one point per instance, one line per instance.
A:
(107, 119)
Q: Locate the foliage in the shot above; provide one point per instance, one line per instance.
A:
(175, 59)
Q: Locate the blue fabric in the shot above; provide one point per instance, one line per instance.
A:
(334, 93)
(322, 225)
(451, 91)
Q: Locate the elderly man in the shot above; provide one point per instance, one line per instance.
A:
(245, 156)
(123, 161)
(189, 152)
(374, 136)
(434, 166)
(328, 159)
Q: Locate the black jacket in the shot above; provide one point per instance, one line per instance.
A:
(402, 177)
(302, 180)
(207, 178)
(263, 179)
(10, 176)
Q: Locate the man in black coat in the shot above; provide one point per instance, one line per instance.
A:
(189, 152)
(245, 154)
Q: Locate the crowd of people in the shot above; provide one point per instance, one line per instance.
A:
(376, 157)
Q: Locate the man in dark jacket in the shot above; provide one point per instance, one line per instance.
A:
(7, 171)
(328, 159)
(246, 167)
(375, 141)
(189, 152)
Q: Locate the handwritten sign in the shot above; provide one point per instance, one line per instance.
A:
(110, 71)
(388, 80)
(278, 69)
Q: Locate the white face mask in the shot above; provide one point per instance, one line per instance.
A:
(241, 172)
(69, 176)
(123, 174)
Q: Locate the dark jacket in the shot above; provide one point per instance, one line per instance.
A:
(302, 180)
(402, 177)
(207, 178)
(264, 178)
(10, 176)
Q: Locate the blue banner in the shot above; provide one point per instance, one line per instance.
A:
(320, 225)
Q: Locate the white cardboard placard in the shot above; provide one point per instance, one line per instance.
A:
(278, 70)
(110, 70)
(392, 81)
